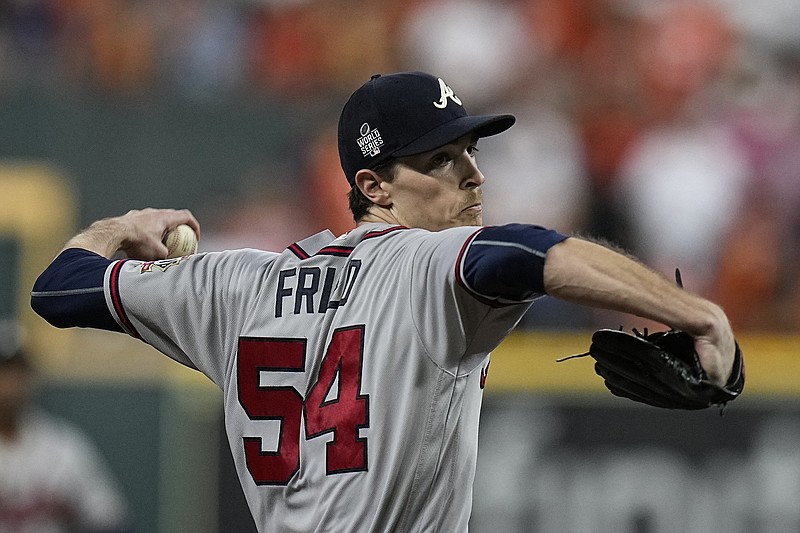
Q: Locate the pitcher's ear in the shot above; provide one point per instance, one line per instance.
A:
(371, 185)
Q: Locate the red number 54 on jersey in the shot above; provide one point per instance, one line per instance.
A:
(342, 412)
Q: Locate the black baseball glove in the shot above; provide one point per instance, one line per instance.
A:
(660, 369)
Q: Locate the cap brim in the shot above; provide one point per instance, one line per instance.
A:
(481, 125)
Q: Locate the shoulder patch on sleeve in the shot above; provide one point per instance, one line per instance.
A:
(162, 264)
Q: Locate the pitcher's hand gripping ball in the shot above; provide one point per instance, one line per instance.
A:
(180, 241)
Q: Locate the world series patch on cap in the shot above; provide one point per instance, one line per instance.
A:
(404, 114)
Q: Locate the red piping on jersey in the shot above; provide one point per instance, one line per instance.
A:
(460, 280)
(344, 251)
(341, 251)
(299, 252)
(382, 232)
(117, 301)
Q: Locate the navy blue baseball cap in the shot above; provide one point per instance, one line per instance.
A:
(404, 114)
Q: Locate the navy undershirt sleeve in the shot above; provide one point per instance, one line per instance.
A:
(69, 293)
(506, 263)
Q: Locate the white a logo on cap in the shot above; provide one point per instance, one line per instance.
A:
(370, 141)
(447, 92)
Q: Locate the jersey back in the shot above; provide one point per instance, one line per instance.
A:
(352, 370)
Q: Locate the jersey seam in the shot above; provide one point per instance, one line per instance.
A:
(414, 321)
(470, 340)
(424, 447)
(233, 361)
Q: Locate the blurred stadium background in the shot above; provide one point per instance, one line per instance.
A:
(669, 127)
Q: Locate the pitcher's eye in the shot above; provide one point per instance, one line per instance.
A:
(440, 160)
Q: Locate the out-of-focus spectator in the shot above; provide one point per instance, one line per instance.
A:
(493, 50)
(52, 478)
(284, 47)
(681, 52)
(758, 280)
(261, 212)
(683, 186)
(305, 48)
(110, 45)
(537, 177)
(324, 184)
(561, 29)
(607, 107)
(683, 178)
(203, 48)
(504, 55)
(747, 281)
(29, 26)
(769, 23)
(686, 104)
(478, 45)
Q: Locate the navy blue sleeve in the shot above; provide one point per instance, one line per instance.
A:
(69, 293)
(505, 264)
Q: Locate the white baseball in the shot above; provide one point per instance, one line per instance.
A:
(180, 241)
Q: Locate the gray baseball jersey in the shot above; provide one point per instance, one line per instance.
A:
(352, 369)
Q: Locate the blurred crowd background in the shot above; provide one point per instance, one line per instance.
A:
(670, 128)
